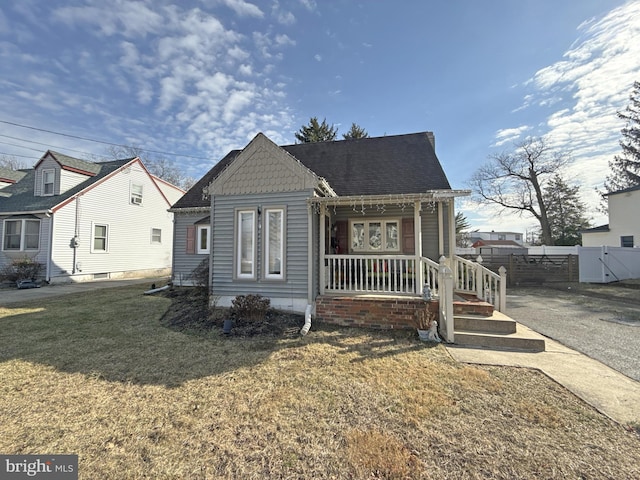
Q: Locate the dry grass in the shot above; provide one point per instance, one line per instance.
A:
(99, 375)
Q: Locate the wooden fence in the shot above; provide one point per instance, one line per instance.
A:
(524, 269)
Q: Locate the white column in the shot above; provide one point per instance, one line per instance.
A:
(440, 229)
(417, 232)
(322, 247)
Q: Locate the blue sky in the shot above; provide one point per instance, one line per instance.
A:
(198, 78)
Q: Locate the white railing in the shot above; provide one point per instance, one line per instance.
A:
(472, 277)
(396, 274)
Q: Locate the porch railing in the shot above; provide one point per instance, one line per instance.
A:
(474, 278)
(389, 274)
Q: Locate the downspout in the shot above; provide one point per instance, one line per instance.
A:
(50, 253)
(211, 215)
(75, 241)
(310, 268)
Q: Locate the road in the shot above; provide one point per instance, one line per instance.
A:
(604, 329)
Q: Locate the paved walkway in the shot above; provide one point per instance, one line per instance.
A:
(604, 388)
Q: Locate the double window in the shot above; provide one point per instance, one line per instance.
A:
(22, 234)
(273, 243)
(375, 235)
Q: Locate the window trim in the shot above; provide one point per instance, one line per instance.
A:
(134, 197)
(23, 234)
(93, 237)
(266, 247)
(52, 171)
(237, 260)
(383, 224)
(199, 230)
(159, 241)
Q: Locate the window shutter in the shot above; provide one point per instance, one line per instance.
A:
(191, 239)
(342, 235)
(408, 237)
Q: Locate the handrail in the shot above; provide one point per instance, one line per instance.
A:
(475, 278)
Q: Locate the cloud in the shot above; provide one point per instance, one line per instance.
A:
(507, 135)
(244, 9)
(318, 57)
(309, 4)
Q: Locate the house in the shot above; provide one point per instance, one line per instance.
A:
(623, 229)
(85, 221)
(349, 231)
(496, 236)
(9, 177)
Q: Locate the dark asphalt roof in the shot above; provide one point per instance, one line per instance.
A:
(11, 175)
(73, 163)
(599, 228)
(22, 199)
(393, 164)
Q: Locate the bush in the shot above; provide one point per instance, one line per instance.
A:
(200, 274)
(250, 307)
(23, 269)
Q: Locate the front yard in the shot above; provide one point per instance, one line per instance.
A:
(101, 375)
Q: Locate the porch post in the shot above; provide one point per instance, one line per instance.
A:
(323, 246)
(452, 230)
(440, 229)
(417, 232)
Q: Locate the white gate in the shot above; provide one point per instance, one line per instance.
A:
(608, 264)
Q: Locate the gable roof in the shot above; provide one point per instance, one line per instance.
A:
(624, 190)
(195, 196)
(395, 164)
(72, 164)
(496, 243)
(11, 176)
(599, 228)
(21, 198)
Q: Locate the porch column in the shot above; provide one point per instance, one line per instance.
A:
(417, 233)
(440, 229)
(322, 247)
(452, 229)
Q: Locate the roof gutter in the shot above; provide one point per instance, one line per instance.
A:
(428, 196)
(47, 212)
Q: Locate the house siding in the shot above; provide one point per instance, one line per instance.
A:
(130, 250)
(183, 262)
(288, 294)
(47, 164)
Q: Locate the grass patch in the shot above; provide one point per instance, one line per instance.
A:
(102, 375)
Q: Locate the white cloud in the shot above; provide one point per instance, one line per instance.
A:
(244, 9)
(309, 4)
(318, 57)
(507, 135)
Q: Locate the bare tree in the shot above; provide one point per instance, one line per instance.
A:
(514, 181)
(12, 163)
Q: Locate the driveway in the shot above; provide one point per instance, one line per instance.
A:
(605, 329)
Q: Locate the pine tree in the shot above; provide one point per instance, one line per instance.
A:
(355, 132)
(565, 211)
(625, 167)
(316, 132)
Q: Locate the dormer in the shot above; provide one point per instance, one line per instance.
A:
(56, 173)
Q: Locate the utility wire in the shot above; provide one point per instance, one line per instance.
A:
(100, 141)
(43, 144)
(16, 155)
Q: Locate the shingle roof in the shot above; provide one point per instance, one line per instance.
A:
(22, 199)
(496, 243)
(625, 190)
(72, 163)
(393, 164)
(11, 175)
(599, 228)
(194, 197)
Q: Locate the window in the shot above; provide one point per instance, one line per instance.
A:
(501, 237)
(20, 235)
(274, 243)
(48, 179)
(100, 238)
(375, 235)
(156, 235)
(202, 238)
(136, 194)
(245, 244)
(626, 241)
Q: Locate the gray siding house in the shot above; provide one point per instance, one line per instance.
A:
(308, 225)
(86, 221)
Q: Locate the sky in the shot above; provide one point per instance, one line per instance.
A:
(188, 81)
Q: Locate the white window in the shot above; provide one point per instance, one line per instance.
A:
(202, 238)
(245, 244)
(48, 179)
(156, 235)
(375, 235)
(274, 229)
(20, 235)
(100, 241)
(136, 194)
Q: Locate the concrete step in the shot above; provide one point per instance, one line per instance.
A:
(465, 304)
(521, 340)
(482, 324)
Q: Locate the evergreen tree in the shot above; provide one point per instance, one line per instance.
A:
(463, 238)
(355, 132)
(316, 132)
(625, 168)
(565, 211)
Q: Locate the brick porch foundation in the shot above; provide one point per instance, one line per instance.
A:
(370, 311)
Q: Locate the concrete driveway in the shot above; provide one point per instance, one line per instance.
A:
(606, 329)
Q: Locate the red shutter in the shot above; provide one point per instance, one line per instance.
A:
(342, 235)
(191, 239)
(408, 237)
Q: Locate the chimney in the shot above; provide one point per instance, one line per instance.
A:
(432, 139)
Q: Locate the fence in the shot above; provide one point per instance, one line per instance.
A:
(608, 264)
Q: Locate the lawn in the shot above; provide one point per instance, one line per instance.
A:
(101, 375)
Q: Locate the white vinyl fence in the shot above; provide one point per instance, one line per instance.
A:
(608, 264)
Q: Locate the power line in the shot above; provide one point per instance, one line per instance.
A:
(16, 155)
(100, 141)
(49, 146)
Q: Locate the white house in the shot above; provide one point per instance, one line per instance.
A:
(623, 229)
(496, 236)
(86, 221)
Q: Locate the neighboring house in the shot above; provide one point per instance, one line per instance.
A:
(85, 221)
(497, 247)
(499, 236)
(311, 225)
(9, 177)
(623, 229)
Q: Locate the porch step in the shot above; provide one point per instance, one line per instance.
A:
(471, 305)
(497, 332)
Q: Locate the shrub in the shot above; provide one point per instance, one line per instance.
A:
(23, 269)
(200, 274)
(250, 307)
